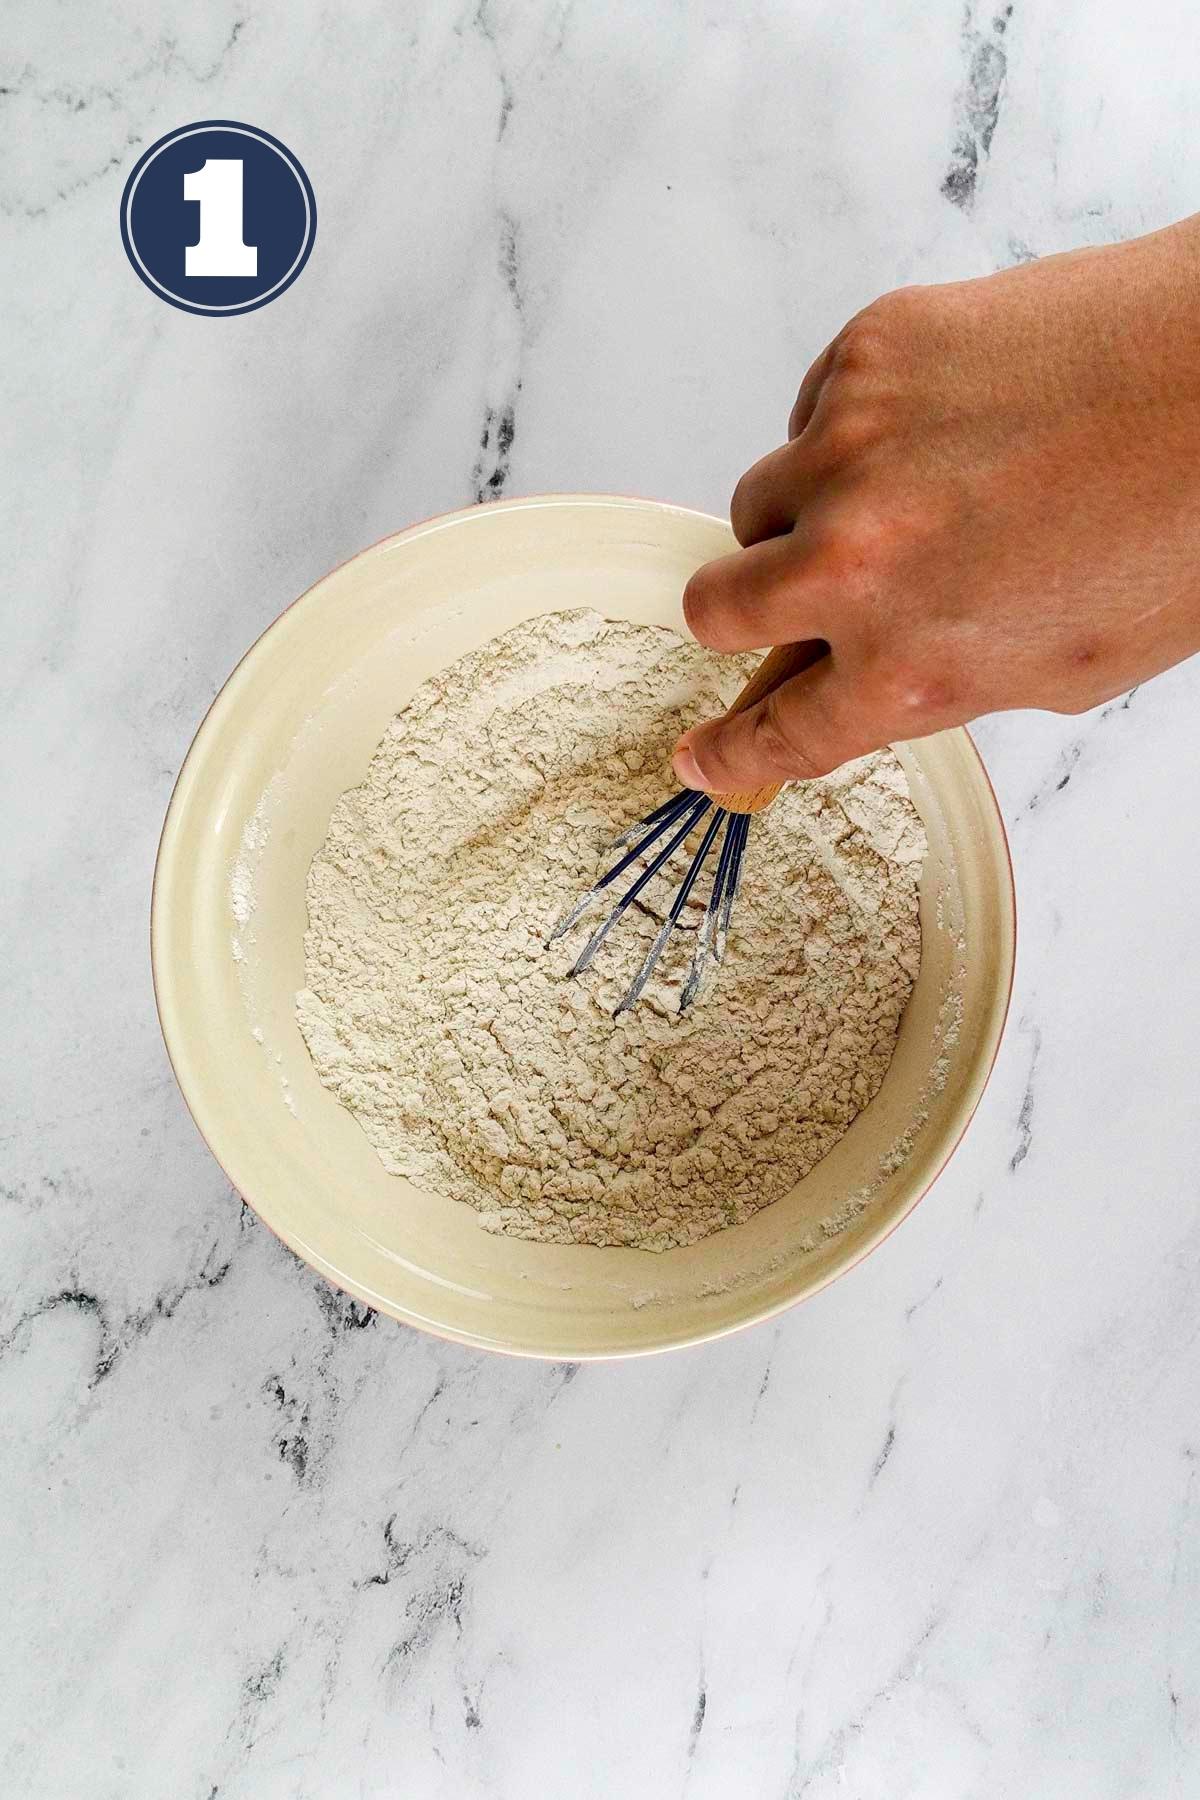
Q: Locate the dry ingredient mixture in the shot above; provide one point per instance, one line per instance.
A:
(435, 1013)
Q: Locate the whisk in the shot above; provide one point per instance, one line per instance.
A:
(675, 820)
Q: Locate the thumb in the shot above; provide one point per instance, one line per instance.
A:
(808, 727)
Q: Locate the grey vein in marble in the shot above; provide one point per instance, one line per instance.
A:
(1025, 1115)
(978, 102)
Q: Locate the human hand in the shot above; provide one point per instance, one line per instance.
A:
(989, 498)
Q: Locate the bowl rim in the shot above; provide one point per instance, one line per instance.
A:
(312, 1258)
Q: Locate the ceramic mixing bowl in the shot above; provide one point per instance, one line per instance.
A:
(293, 727)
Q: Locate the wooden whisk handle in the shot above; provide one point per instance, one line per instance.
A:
(778, 666)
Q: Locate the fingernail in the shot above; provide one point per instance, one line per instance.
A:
(685, 765)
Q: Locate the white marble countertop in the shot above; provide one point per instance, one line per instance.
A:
(933, 1534)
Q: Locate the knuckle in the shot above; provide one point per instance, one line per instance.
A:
(743, 510)
(859, 347)
(860, 548)
(875, 343)
(785, 748)
(879, 527)
(714, 765)
(704, 607)
(870, 337)
(763, 503)
(911, 689)
(899, 315)
(851, 429)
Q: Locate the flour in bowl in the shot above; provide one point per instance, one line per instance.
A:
(436, 1015)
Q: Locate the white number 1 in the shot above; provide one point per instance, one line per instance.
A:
(217, 185)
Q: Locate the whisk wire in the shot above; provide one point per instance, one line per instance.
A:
(704, 937)
(652, 826)
(683, 812)
(661, 816)
(692, 817)
(740, 831)
(672, 919)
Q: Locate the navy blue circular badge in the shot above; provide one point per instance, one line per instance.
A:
(218, 217)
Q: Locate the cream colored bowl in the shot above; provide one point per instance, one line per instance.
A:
(295, 725)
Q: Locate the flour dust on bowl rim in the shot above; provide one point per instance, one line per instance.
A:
(293, 728)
